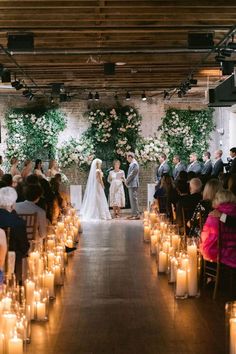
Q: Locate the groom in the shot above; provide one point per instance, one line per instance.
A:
(132, 183)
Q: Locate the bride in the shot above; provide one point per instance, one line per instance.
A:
(94, 205)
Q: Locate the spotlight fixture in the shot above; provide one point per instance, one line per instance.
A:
(17, 84)
(90, 96)
(232, 45)
(180, 93)
(127, 97)
(96, 96)
(193, 81)
(6, 75)
(144, 98)
(166, 94)
(28, 94)
(65, 97)
(226, 52)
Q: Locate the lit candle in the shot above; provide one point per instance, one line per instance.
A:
(153, 218)
(29, 291)
(166, 246)
(40, 311)
(50, 256)
(162, 266)
(175, 242)
(8, 323)
(6, 303)
(1, 343)
(147, 233)
(57, 274)
(192, 271)
(69, 242)
(37, 296)
(146, 215)
(153, 244)
(15, 345)
(232, 336)
(50, 244)
(173, 269)
(49, 283)
(181, 283)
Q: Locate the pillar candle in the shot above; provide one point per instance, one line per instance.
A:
(153, 218)
(232, 336)
(9, 323)
(146, 215)
(60, 227)
(49, 282)
(192, 271)
(15, 345)
(147, 233)
(50, 257)
(181, 283)
(166, 246)
(29, 291)
(57, 274)
(40, 308)
(1, 342)
(37, 296)
(50, 244)
(175, 242)
(6, 303)
(69, 242)
(162, 266)
(153, 244)
(173, 269)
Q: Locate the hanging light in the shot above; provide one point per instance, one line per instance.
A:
(144, 98)
(96, 96)
(17, 85)
(127, 97)
(90, 96)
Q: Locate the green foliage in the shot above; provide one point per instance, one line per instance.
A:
(187, 131)
(33, 134)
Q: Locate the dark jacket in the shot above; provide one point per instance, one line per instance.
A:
(207, 168)
(233, 166)
(217, 168)
(18, 236)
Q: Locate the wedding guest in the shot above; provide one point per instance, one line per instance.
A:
(1, 171)
(164, 168)
(232, 183)
(116, 178)
(16, 180)
(224, 202)
(7, 179)
(52, 169)
(218, 166)
(3, 252)
(204, 207)
(27, 169)
(38, 169)
(207, 167)
(233, 160)
(179, 166)
(59, 200)
(14, 170)
(194, 165)
(9, 219)
(132, 183)
(165, 194)
(32, 194)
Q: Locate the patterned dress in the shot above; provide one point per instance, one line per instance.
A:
(116, 192)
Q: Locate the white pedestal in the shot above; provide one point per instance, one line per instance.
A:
(150, 193)
(76, 196)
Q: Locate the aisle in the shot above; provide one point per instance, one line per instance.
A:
(113, 303)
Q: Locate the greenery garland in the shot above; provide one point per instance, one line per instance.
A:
(33, 134)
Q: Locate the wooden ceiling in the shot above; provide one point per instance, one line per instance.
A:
(147, 40)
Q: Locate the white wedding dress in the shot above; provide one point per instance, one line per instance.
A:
(94, 205)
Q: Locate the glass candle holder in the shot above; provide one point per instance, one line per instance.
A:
(153, 243)
(181, 287)
(193, 279)
(230, 319)
(147, 233)
(162, 261)
(41, 306)
(173, 265)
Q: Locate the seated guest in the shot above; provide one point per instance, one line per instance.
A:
(1, 171)
(164, 168)
(7, 179)
(189, 202)
(27, 169)
(32, 195)
(191, 175)
(232, 183)
(59, 200)
(16, 180)
(204, 206)
(207, 167)
(9, 219)
(3, 252)
(194, 165)
(164, 194)
(233, 160)
(224, 202)
(14, 170)
(218, 166)
(179, 166)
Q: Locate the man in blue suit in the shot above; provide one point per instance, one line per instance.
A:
(179, 166)
(132, 183)
(194, 165)
(218, 165)
(164, 168)
(207, 167)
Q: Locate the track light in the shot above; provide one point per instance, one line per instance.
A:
(17, 85)
(6, 75)
(232, 45)
(28, 94)
(166, 94)
(193, 81)
(90, 96)
(144, 98)
(65, 97)
(96, 96)
(226, 52)
(127, 97)
(180, 93)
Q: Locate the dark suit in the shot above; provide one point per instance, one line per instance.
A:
(217, 168)
(233, 166)
(163, 169)
(207, 168)
(177, 169)
(230, 221)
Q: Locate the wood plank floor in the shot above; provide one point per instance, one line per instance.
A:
(114, 303)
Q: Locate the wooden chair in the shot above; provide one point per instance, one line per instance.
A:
(31, 225)
(213, 269)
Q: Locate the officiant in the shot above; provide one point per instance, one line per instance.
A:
(116, 178)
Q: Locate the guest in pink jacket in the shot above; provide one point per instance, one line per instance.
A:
(224, 202)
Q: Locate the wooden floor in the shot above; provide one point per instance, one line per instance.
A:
(114, 303)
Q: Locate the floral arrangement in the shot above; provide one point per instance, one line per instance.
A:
(113, 131)
(186, 131)
(33, 134)
(80, 152)
(149, 149)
